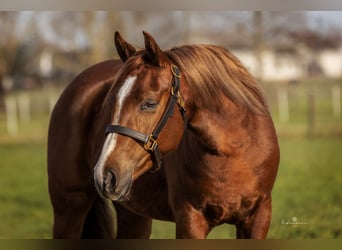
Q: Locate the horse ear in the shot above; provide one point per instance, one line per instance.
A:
(154, 53)
(124, 49)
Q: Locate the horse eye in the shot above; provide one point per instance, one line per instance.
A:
(149, 105)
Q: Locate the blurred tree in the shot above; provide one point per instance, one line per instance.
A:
(100, 28)
(8, 41)
(78, 39)
(315, 40)
(8, 49)
(258, 42)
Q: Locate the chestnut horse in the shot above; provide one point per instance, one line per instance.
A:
(181, 135)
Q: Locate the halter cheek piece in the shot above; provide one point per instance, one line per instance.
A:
(150, 140)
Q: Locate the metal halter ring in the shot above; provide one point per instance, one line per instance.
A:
(175, 71)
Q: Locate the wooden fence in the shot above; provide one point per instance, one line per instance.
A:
(313, 107)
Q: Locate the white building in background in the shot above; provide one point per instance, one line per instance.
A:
(276, 66)
(281, 66)
(291, 65)
(331, 62)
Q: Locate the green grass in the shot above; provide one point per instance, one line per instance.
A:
(25, 211)
(308, 187)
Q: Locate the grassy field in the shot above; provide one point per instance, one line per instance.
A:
(25, 211)
(308, 188)
(307, 197)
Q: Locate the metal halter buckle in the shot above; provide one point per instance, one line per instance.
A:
(151, 143)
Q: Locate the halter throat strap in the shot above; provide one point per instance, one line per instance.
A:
(150, 140)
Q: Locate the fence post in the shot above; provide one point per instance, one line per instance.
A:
(11, 115)
(311, 112)
(283, 104)
(24, 108)
(336, 101)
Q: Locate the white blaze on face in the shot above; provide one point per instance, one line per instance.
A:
(110, 141)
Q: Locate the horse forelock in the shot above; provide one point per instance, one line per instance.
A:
(124, 72)
(212, 73)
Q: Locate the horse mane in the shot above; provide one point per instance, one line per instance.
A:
(212, 71)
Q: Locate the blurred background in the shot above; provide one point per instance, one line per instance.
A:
(297, 57)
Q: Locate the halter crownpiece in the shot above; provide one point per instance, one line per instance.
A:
(150, 140)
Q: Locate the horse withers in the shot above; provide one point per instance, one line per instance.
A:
(181, 135)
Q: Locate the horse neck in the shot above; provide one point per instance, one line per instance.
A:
(222, 132)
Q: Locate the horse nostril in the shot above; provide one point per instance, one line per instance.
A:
(110, 182)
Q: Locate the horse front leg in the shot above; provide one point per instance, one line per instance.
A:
(70, 212)
(257, 227)
(131, 225)
(190, 223)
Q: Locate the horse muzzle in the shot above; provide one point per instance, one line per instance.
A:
(113, 186)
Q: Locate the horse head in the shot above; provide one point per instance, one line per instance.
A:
(146, 123)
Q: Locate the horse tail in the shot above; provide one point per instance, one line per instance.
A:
(101, 220)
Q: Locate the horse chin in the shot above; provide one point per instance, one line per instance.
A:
(146, 168)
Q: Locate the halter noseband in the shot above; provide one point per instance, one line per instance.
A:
(150, 140)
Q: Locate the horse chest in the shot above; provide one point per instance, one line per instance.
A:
(149, 197)
(222, 195)
(224, 207)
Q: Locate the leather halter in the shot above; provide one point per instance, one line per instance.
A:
(150, 140)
